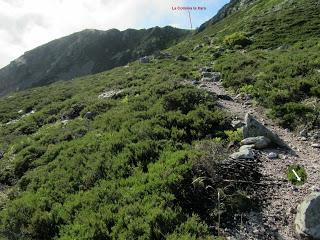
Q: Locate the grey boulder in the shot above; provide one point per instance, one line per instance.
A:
(253, 128)
(245, 152)
(259, 142)
(307, 220)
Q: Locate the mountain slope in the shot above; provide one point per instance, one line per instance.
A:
(278, 65)
(83, 53)
(232, 7)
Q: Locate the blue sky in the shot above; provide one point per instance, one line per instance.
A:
(181, 18)
(26, 24)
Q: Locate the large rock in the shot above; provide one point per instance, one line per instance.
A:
(245, 152)
(308, 217)
(253, 128)
(259, 142)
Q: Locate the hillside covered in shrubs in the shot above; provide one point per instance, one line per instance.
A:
(129, 153)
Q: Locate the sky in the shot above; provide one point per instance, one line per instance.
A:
(26, 24)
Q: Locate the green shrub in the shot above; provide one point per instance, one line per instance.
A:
(234, 136)
(237, 39)
(301, 172)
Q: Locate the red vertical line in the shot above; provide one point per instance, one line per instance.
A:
(190, 19)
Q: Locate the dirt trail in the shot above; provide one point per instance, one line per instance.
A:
(279, 210)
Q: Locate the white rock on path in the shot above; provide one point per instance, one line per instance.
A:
(316, 145)
(245, 152)
(273, 155)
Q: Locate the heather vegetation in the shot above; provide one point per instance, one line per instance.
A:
(126, 172)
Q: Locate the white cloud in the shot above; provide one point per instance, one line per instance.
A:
(26, 24)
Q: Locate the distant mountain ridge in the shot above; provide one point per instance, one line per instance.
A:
(83, 53)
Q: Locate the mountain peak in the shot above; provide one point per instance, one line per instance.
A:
(86, 52)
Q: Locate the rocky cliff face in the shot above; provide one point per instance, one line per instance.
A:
(230, 8)
(83, 53)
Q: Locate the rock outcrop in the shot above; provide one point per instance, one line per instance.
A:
(253, 128)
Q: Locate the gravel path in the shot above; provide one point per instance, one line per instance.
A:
(276, 221)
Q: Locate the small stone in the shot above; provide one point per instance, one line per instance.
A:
(272, 155)
(293, 210)
(303, 133)
(303, 139)
(237, 123)
(315, 145)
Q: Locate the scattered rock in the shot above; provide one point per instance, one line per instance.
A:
(316, 145)
(28, 114)
(307, 220)
(182, 58)
(259, 142)
(110, 93)
(73, 112)
(237, 123)
(273, 155)
(211, 76)
(225, 97)
(283, 47)
(245, 152)
(253, 128)
(218, 53)
(163, 55)
(12, 122)
(197, 47)
(207, 74)
(20, 111)
(89, 115)
(145, 59)
(206, 69)
(303, 133)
